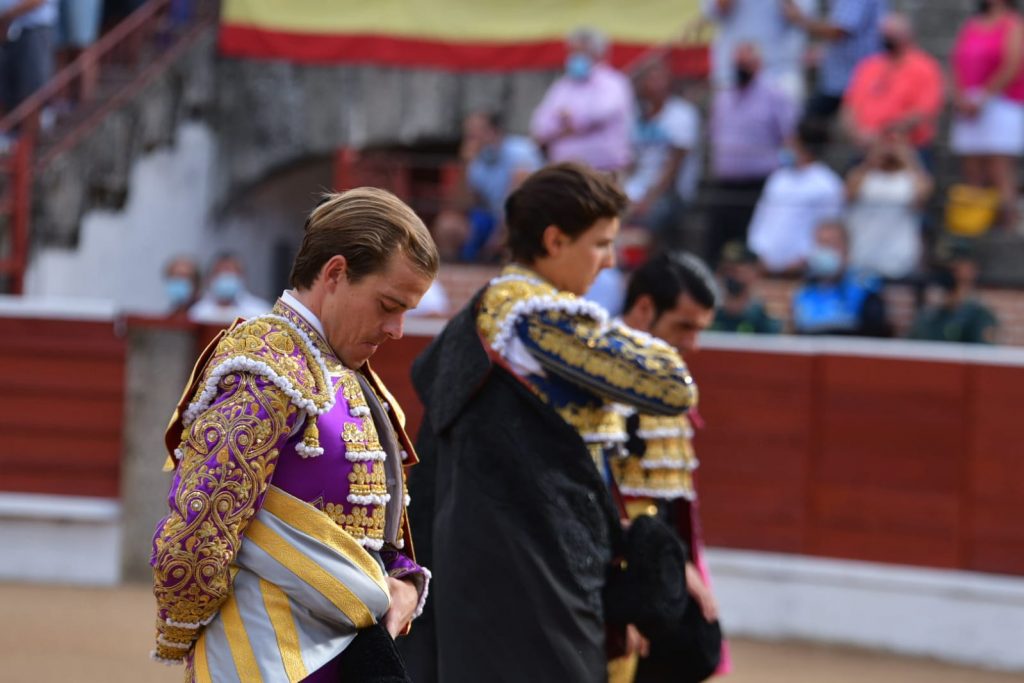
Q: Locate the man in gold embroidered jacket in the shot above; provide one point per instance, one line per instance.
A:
(672, 297)
(540, 493)
(287, 531)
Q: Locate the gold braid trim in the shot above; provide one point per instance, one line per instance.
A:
(229, 452)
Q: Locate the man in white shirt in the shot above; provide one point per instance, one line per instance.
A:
(797, 198)
(666, 171)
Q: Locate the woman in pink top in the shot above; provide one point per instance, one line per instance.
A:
(988, 77)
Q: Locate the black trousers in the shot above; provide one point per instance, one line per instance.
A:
(731, 206)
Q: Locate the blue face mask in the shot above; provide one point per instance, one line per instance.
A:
(489, 154)
(578, 66)
(226, 287)
(178, 290)
(824, 262)
(787, 158)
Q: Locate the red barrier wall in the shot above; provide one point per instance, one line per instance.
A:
(917, 462)
(61, 406)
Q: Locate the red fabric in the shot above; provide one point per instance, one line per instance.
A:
(256, 43)
(883, 91)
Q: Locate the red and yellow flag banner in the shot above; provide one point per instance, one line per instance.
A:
(477, 35)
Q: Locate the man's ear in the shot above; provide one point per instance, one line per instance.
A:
(334, 271)
(554, 240)
(645, 312)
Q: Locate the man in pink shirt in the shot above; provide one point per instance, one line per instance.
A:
(586, 114)
(897, 91)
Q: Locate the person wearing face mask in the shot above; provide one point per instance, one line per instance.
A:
(495, 162)
(181, 285)
(226, 297)
(762, 23)
(833, 298)
(956, 315)
(741, 310)
(587, 115)
(988, 76)
(887, 193)
(898, 91)
(749, 125)
(797, 198)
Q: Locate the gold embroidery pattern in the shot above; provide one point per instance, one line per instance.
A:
(666, 469)
(360, 522)
(657, 380)
(229, 453)
(270, 346)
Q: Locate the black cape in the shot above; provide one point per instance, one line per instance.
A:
(513, 519)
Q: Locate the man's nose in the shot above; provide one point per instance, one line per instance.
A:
(394, 327)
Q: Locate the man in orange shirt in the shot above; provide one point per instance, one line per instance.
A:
(897, 91)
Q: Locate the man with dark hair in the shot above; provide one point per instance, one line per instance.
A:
(518, 522)
(286, 554)
(673, 298)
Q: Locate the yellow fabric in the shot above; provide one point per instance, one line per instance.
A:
(468, 21)
(623, 669)
(310, 572)
(312, 522)
(199, 663)
(280, 613)
(238, 642)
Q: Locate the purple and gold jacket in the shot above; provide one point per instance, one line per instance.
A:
(270, 402)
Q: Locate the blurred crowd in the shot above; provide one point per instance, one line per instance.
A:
(37, 37)
(789, 79)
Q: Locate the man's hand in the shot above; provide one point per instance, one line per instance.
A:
(565, 121)
(701, 593)
(404, 598)
(636, 644)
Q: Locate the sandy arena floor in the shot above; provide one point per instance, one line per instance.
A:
(81, 635)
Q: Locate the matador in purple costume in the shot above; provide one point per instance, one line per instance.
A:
(287, 534)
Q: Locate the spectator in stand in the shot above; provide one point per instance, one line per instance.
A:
(763, 24)
(494, 165)
(27, 43)
(741, 309)
(897, 91)
(181, 285)
(988, 75)
(79, 26)
(750, 123)
(587, 114)
(664, 177)
(835, 299)
(226, 297)
(797, 198)
(958, 316)
(852, 33)
(886, 194)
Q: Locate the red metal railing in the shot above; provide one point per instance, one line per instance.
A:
(103, 77)
(428, 182)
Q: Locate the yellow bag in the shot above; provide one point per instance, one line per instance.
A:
(970, 210)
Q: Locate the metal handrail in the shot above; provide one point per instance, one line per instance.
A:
(122, 45)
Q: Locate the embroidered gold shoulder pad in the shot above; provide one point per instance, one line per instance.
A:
(274, 348)
(518, 292)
